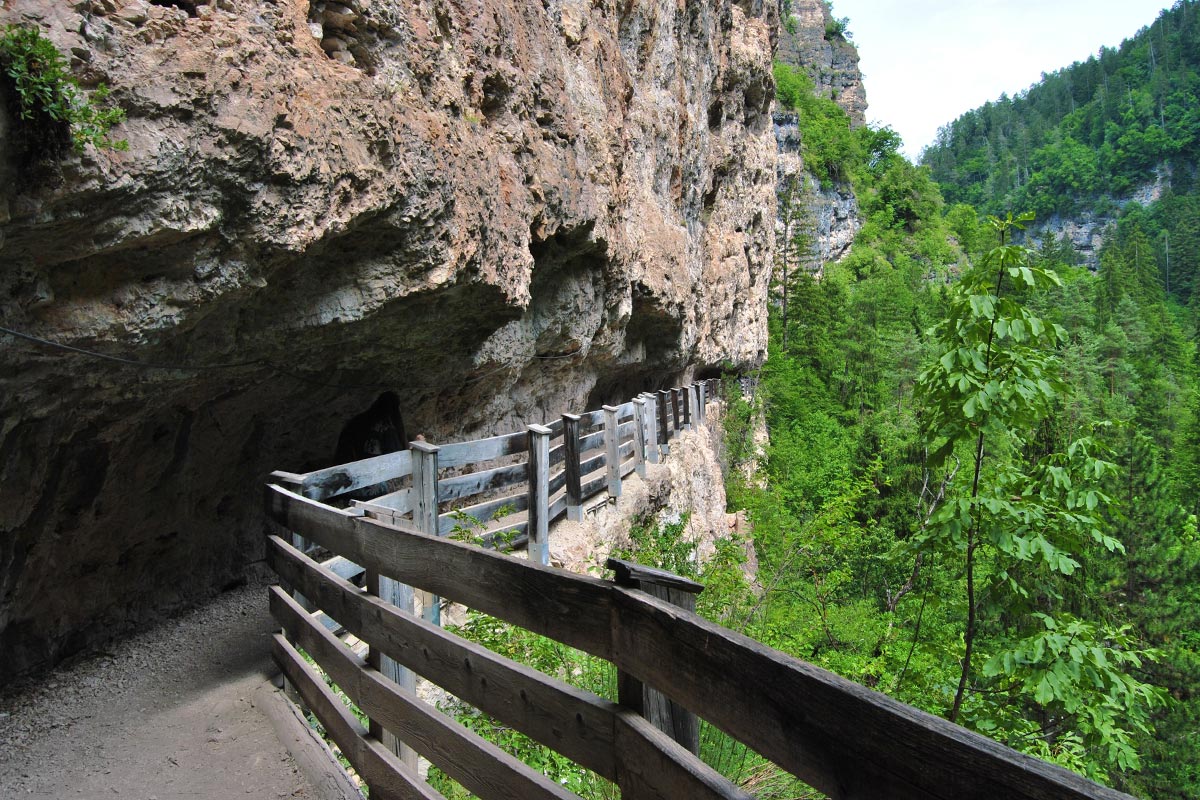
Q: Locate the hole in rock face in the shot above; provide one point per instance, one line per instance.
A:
(375, 432)
(186, 5)
(345, 34)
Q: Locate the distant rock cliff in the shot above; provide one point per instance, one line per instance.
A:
(829, 59)
(498, 209)
(831, 62)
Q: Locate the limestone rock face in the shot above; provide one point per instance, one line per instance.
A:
(829, 214)
(830, 60)
(499, 209)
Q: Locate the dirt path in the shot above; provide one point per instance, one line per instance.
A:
(173, 713)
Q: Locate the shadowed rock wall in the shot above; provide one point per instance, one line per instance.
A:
(498, 209)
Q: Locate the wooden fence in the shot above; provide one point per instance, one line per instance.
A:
(841, 738)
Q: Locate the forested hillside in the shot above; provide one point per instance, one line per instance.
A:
(980, 489)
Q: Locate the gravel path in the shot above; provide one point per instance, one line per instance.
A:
(170, 713)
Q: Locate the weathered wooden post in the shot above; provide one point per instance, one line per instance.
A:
(573, 478)
(686, 391)
(425, 511)
(675, 413)
(666, 715)
(702, 389)
(664, 430)
(612, 449)
(639, 435)
(651, 426)
(539, 494)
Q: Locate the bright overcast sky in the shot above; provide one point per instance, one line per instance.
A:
(928, 61)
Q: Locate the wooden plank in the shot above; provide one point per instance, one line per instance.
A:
(484, 512)
(593, 441)
(557, 509)
(685, 393)
(627, 467)
(594, 463)
(387, 777)
(664, 714)
(624, 450)
(539, 494)
(322, 484)
(590, 419)
(653, 767)
(478, 450)
(488, 480)
(507, 538)
(343, 567)
(594, 487)
(612, 451)
(401, 596)
(841, 738)
(572, 473)
(675, 412)
(558, 480)
(574, 609)
(625, 431)
(556, 427)
(479, 765)
(558, 454)
(664, 424)
(639, 436)
(574, 722)
(399, 502)
(425, 499)
(651, 433)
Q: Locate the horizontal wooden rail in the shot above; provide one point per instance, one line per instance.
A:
(846, 740)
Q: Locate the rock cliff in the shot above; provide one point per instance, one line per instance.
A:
(829, 59)
(498, 209)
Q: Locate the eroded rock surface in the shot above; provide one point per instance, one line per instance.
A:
(830, 60)
(498, 209)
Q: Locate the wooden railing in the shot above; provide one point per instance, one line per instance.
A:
(842, 738)
(845, 740)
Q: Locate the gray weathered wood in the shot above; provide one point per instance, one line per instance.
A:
(686, 403)
(651, 433)
(574, 609)
(594, 463)
(664, 423)
(488, 480)
(388, 777)
(426, 461)
(484, 513)
(842, 738)
(473, 452)
(595, 486)
(574, 722)
(593, 441)
(557, 481)
(401, 596)
(625, 431)
(539, 494)
(558, 508)
(322, 484)
(612, 451)
(703, 406)
(651, 766)
(398, 502)
(591, 419)
(343, 568)
(476, 763)
(573, 474)
(639, 436)
(665, 714)
(676, 419)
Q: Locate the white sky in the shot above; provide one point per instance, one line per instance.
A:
(926, 62)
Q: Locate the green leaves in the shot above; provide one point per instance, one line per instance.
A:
(49, 97)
